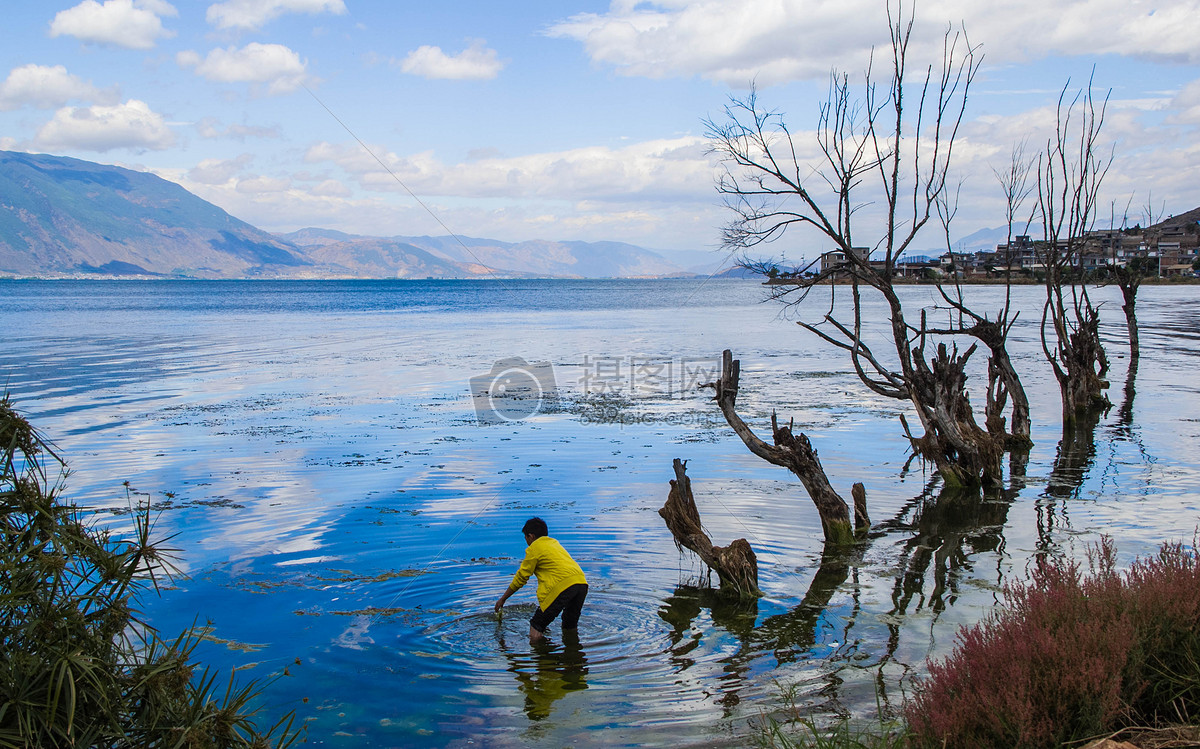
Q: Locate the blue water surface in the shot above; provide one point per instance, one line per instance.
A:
(342, 511)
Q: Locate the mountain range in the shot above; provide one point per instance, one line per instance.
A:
(60, 216)
(64, 217)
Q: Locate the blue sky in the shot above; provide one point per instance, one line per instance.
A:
(563, 120)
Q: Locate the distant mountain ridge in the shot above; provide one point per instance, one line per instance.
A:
(62, 216)
(68, 217)
(571, 259)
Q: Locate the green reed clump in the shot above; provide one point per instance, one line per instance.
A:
(1072, 656)
(78, 666)
(807, 734)
(792, 729)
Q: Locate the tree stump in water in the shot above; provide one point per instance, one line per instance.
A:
(735, 564)
(862, 521)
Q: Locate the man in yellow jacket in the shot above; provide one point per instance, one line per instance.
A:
(561, 586)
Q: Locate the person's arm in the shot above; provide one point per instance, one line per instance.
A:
(500, 603)
(523, 572)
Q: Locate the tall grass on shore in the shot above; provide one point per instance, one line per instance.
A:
(1072, 656)
(78, 665)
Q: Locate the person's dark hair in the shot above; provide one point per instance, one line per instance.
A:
(535, 527)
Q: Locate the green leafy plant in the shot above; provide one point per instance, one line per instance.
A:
(80, 667)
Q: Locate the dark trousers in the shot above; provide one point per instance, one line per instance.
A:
(569, 603)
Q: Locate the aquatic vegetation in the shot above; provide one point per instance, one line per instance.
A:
(80, 667)
(792, 729)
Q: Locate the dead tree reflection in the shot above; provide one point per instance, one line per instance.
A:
(941, 533)
(730, 613)
(1075, 457)
(944, 533)
(1121, 478)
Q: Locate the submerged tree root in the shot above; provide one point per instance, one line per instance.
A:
(736, 565)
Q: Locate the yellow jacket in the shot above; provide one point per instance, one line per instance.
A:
(554, 568)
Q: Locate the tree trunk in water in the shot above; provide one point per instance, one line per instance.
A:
(1086, 365)
(1004, 383)
(862, 523)
(1129, 291)
(790, 451)
(964, 453)
(736, 565)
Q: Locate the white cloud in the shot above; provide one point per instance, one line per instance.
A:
(253, 14)
(48, 87)
(210, 128)
(131, 124)
(736, 41)
(331, 188)
(133, 24)
(1186, 105)
(255, 185)
(272, 64)
(218, 171)
(475, 63)
(653, 170)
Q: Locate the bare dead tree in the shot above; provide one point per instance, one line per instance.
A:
(1004, 384)
(794, 452)
(884, 145)
(736, 565)
(1069, 175)
(1128, 276)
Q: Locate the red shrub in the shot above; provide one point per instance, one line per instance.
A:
(1070, 656)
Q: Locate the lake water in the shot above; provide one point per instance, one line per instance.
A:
(342, 509)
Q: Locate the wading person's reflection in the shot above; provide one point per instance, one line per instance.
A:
(547, 673)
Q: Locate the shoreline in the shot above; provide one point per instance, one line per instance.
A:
(1147, 281)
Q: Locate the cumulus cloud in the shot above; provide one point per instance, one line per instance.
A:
(48, 87)
(736, 41)
(331, 188)
(132, 24)
(272, 64)
(475, 63)
(131, 124)
(254, 14)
